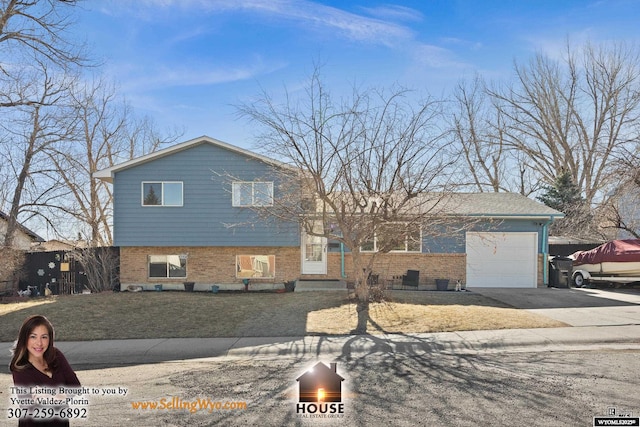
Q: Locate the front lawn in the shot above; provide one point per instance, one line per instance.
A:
(128, 315)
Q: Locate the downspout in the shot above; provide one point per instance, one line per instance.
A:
(342, 260)
(545, 251)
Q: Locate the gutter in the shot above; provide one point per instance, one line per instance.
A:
(342, 272)
(517, 216)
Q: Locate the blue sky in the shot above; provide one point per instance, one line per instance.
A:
(187, 63)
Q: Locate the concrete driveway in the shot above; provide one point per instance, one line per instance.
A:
(576, 307)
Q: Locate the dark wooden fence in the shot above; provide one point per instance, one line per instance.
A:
(57, 270)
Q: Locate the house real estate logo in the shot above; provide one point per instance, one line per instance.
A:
(320, 392)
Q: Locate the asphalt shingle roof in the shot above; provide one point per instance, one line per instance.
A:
(498, 204)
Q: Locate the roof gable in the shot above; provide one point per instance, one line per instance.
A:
(108, 173)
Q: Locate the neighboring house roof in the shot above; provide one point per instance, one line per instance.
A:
(498, 205)
(108, 173)
(32, 235)
(58, 245)
(571, 240)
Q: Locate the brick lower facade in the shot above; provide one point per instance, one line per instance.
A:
(431, 267)
(541, 270)
(214, 265)
(205, 265)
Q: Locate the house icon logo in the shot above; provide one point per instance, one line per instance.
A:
(320, 392)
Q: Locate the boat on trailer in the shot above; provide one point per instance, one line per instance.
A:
(617, 261)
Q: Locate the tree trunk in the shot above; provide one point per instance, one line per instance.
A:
(12, 221)
(362, 292)
(362, 307)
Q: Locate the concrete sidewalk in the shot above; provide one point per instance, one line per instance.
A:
(100, 354)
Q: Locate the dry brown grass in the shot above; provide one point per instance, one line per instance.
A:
(197, 315)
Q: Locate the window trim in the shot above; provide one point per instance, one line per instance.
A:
(167, 277)
(397, 251)
(162, 204)
(237, 203)
(255, 261)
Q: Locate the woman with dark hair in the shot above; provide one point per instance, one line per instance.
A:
(36, 362)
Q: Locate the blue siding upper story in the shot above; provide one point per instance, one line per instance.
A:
(206, 217)
(456, 243)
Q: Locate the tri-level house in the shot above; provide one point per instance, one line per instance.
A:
(187, 214)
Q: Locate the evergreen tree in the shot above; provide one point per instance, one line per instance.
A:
(151, 198)
(563, 195)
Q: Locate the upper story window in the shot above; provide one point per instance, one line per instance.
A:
(406, 238)
(247, 194)
(162, 193)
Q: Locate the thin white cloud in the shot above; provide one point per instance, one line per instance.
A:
(467, 44)
(306, 14)
(374, 26)
(190, 33)
(436, 57)
(194, 75)
(394, 12)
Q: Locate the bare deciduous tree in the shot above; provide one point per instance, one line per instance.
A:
(371, 167)
(107, 133)
(574, 114)
(34, 31)
(621, 211)
(39, 27)
(479, 129)
(28, 133)
(35, 59)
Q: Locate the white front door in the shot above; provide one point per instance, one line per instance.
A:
(314, 254)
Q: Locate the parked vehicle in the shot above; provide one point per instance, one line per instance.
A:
(615, 262)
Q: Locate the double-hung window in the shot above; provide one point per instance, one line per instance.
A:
(162, 193)
(249, 194)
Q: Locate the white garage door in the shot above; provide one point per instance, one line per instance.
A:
(502, 260)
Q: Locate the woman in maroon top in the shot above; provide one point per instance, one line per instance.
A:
(36, 362)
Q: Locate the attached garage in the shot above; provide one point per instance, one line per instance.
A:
(502, 259)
